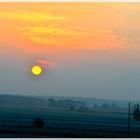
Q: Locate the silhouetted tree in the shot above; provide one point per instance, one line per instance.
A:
(39, 123)
(136, 113)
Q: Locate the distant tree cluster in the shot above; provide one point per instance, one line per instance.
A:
(67, 104)
(105, 106)
(136, 113)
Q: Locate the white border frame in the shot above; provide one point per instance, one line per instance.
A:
(69, 0)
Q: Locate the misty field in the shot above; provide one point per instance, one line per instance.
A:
(100, 124)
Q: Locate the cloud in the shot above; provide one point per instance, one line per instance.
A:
(84, 29)
(57, 34)
(45, 62)
(64, 34)
(32, 16)
(50, 30)
(74, 37)
(50, 35)
(50, 64)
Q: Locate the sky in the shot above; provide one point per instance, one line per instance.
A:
(85, 49)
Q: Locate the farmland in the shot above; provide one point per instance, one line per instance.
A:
(66, 123)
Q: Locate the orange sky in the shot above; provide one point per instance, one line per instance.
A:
(85, 49)
(57, 28)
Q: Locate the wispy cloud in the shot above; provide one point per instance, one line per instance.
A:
(45, 62)
(32, 16)
(51, 30)
(77, 38)
(61, 30)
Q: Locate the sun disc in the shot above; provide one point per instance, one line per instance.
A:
(36, 70)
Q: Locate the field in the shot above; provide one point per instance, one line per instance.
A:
(66, 123)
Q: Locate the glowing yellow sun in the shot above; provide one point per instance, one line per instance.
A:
(36, 70)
